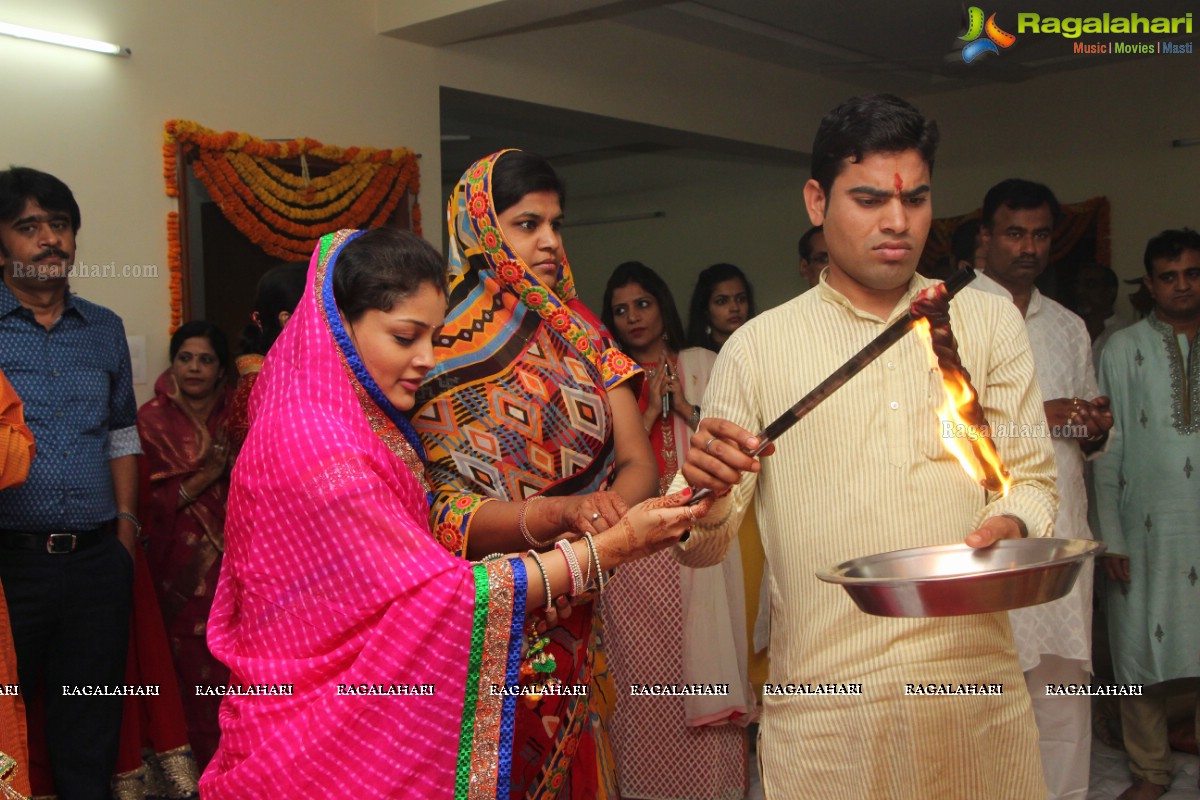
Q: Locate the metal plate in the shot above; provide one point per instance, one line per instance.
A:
(954, 579)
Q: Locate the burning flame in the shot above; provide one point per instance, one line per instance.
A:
(969, 443)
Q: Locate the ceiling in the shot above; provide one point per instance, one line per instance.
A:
(908, 48)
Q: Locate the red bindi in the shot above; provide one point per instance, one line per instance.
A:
(898, 183)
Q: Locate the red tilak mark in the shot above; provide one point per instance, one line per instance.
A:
(898, 183)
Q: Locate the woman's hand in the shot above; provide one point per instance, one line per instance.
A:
(588, 513)
(214, 460)
(649, 526)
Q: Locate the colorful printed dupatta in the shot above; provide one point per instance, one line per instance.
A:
(516, 406)
(364, 652)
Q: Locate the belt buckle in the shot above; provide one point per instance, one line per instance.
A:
(60, 543)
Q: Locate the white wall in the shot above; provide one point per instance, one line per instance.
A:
(716, 210)
(275, 70)
(319, 69)
(311, 68)
(1104, 131)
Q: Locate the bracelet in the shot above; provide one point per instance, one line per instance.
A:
(694, 422)
(572, 564)
(545, 580)
(595, 558)
(524, 528)
(587, 573)
(187, 498)
(136, 524)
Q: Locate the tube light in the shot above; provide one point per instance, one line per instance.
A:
(50, 37)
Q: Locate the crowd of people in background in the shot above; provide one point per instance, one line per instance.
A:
(417, 476)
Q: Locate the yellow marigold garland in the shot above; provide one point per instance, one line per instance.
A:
(278, 210)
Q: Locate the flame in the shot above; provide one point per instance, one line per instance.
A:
(967, 442)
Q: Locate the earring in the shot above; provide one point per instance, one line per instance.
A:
(664, 336)
(708, 330)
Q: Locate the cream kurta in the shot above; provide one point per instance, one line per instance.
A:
(866, 472)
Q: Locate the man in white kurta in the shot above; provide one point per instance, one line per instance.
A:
(1148, 498)
(1053, 640)
(861, 706)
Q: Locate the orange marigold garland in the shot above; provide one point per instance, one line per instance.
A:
(175, 265)
(283, 213)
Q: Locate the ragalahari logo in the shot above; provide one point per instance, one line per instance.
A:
(976, 27)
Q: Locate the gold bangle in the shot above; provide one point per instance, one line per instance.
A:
(525, 528)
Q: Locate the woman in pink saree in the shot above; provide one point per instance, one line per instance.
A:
(363, 654)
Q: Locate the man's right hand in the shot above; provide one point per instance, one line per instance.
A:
(717, 456)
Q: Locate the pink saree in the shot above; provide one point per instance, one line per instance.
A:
(371, 650)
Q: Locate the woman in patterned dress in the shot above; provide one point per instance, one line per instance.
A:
(532, 431)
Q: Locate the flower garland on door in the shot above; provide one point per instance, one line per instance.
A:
(283, 213)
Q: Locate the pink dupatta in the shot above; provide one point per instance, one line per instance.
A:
(333, 588)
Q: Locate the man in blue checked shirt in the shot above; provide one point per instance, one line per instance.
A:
(67, 535)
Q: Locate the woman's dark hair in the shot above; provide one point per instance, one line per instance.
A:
(637, 272)
(202, 329)
(382, 267)
(706, 282)
(279, 289)
(517, 173)
(881, 123)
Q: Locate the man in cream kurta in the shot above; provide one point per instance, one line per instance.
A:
(863, 706)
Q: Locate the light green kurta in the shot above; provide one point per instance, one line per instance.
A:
(1148, 498)
(864, 473)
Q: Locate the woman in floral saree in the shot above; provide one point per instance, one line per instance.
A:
(362, 653)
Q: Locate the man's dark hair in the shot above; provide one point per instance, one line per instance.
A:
(1019, 195)
(881, 123)
(1170, 245)
(1108, 278)
(806, 241)
(637, 272)
(382, 267)
(18, 185)
(963, 242)
(517, 173)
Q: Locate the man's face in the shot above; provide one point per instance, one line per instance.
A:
(1175, 287)
(1094, 293)
(875, 217)
(1018, 246)
(37, 247)
(818, 259)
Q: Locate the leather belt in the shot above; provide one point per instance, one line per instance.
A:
(54, 542)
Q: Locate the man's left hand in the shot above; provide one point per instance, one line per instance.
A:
(127, 534)
(993, 530)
